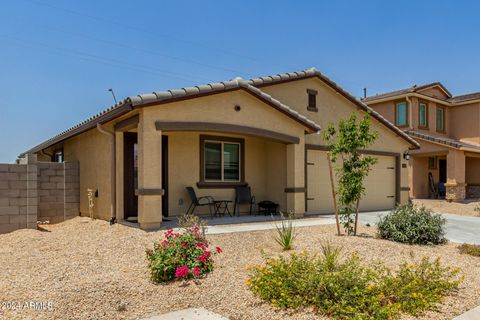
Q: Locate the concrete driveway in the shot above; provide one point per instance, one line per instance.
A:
(461, 229)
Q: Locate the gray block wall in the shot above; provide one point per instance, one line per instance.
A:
(38, 191)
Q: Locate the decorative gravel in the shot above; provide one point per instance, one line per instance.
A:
(466, 208)
(91, 270)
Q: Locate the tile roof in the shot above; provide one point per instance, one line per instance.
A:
(443, 140)
(414, 88)
(312, 72)
(131, 102)
(251, 86)
(465, 97)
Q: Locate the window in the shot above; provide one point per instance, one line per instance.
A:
(423, 115)
(221, 160)
(57, 156)
(312, 100)
(401, 114)
(440, 119)
(432, 163)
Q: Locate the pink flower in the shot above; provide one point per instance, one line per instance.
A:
(182, 272)
(184, 243)
(165, 242)
(196, 272)
(218, 249)
(204, 256)
(196, 228)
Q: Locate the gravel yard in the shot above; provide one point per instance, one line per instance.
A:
(466, 208)
(91, 270)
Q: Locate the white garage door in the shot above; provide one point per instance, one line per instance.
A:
(379, 185)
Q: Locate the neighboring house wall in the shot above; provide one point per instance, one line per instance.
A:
(37, 191)
(465, 123)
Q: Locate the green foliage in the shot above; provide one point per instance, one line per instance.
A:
(347, 142)
(412, 225)
(180, 255)
(285, 235)
(471, 249)
(346, 289)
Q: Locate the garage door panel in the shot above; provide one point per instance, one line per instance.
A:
(379, 185)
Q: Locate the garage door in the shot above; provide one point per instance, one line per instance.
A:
(379, 185)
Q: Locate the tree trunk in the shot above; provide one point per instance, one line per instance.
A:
(333, 193)
(356, 218)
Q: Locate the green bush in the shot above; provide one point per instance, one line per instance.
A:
(346, 289)
(285, 235)
(181, 255)
(471, 249)
(412, 225)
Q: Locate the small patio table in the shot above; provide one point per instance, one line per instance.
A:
(221, 207)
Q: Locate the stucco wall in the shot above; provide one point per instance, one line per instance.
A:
(92, 150)
(472, 171)
(331, 108)
(465, 122)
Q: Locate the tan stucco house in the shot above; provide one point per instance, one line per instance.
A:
(448, 130)
(140, 154)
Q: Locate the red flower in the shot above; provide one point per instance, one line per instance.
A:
(182, 272)
(196, 228)
(218, 249)
(196, 272)
(184, 244)
(165, 242)
(204, 256)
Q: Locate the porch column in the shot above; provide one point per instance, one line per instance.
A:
(149, 174)
(296, 178)
(455, 186)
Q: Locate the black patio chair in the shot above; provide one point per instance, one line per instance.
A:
(243, 196)
(199, 202)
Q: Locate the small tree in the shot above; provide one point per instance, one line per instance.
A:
(347, 142)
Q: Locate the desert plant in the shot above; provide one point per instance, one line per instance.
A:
(181, 255)
(285, 234)
(477, 209)
(347, 142)
(471, 249)
(347, 289)
(412, 225)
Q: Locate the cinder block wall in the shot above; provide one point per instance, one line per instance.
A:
(18, 197)
(37, 191)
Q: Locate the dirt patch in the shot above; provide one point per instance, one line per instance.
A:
(466, 208)
(91, 270)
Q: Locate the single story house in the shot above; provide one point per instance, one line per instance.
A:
(140, 154)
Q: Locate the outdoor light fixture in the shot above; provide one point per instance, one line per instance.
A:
(406, 155)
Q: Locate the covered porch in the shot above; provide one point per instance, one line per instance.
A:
(445, 168)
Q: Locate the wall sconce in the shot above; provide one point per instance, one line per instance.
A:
(406, 155)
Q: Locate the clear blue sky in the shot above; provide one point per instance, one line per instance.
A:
(58, 58)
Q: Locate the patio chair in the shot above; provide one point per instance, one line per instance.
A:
(431, 185)
(199, 202)
(243, 196)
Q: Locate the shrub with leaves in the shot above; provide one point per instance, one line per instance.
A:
(471, 249)
(412, 225)
(181, 255)
(346, 289)
(285, 235)
(186, 221)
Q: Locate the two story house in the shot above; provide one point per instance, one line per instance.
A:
(448, 130)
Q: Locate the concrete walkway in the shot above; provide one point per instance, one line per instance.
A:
(461, 229)
(188, 314)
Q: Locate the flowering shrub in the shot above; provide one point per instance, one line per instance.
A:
(346, 289)
(181, 255)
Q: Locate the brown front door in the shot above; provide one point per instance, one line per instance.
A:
(165, 175)
(130, 175)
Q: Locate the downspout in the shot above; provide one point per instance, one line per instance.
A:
(113, 174)
(410, 108)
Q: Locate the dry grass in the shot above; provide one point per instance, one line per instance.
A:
(91, 270)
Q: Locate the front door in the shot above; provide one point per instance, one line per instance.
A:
(442, 170)
(165, 175)
(130, 176)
